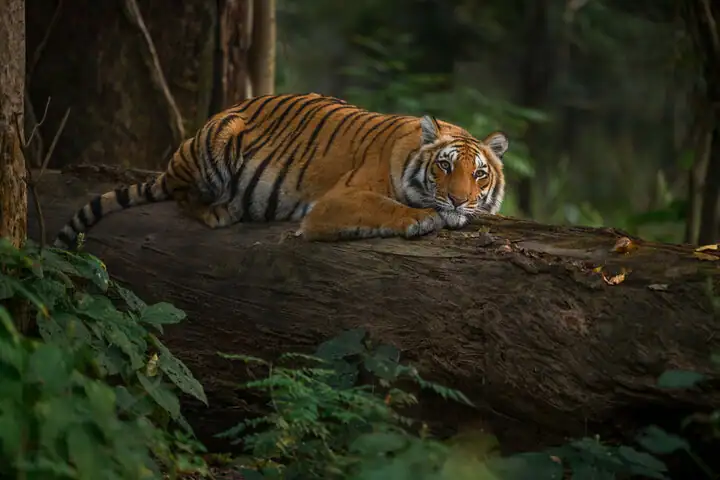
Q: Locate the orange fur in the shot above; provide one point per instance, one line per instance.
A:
(346, 172)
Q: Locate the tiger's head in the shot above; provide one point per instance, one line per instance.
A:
(457, 174)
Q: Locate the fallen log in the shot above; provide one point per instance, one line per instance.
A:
(511, 313)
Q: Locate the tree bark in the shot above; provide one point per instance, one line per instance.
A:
(514, 317)
(262, 49)
(232, 82)
(13, 190)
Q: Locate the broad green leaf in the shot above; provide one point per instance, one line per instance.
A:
(86, 453)
(679, 379)
(658, 441)
(47, 366)
(643, 462)
(55, 416)
(164, 397)
(178, 373)
(98, 308)
(347, 343)
(161, 313)
(133, 302)
(12, 428)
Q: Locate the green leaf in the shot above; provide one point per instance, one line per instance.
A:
(164, 397)
(86, 453)
(6, 288)
(679, 379)
(47, 366)
(643, 463)
(12, 427)
(657, 440)
(345, 344)
(378, 443)
(248, 474)
(178, 373)
(133, 302)
(161, 314)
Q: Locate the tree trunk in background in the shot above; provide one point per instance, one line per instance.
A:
(262, 50)
(93, 61)
(13, 191)
(234, 37)
(537, 73)
(702, 17)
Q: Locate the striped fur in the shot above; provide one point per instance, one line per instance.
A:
(344, 171)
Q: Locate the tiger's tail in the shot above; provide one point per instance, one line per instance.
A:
(114, 201)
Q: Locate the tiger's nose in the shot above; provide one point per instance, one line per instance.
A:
(457, 201)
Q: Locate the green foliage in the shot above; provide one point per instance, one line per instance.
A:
(96, 397)
(321, 425)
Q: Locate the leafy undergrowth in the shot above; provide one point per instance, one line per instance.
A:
(322, 425)
(95, 396)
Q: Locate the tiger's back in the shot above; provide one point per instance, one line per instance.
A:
(272, 158)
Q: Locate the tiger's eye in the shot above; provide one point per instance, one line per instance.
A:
(478, 174)
(445, 165)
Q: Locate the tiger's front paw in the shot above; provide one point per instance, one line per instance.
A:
(454, 220)
(422, 224)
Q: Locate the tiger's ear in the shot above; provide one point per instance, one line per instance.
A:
(430, 129)
(498, 143)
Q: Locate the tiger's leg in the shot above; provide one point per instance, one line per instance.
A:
(213, 216)
(353, 214)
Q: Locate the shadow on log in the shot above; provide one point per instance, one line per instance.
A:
(513, 316)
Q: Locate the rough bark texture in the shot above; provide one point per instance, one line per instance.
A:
(234, 37)
(93, 62)
(13, 196)
(515, 317)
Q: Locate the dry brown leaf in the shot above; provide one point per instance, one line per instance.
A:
(660, 287)
(616, 279)
(624, 245)
(705, 256)
(704, 248)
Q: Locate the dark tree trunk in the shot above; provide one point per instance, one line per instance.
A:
(702, 17)
(234, 36)
(94, 61)
(515, 318)
(13, 191)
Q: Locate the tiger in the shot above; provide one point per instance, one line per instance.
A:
(344, 172)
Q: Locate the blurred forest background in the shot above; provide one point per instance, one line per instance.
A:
(605, 101)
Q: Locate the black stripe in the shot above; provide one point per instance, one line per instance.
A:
(390, 135)
(244, 105)
(247, 194)
(269, 134)
(82, 217)
(339, 126)
(370, 117)
(304, 168)
(293, 135)
(260, 108)
(123, 197)
(300, 128)
(319, 126)
(272, 205)
(96, 207)
(392, 119)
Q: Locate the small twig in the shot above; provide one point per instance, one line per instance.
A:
(151, 57)
(42, 44)
(30, 181)
(54, 142)
(712, 26)
(38, 124)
